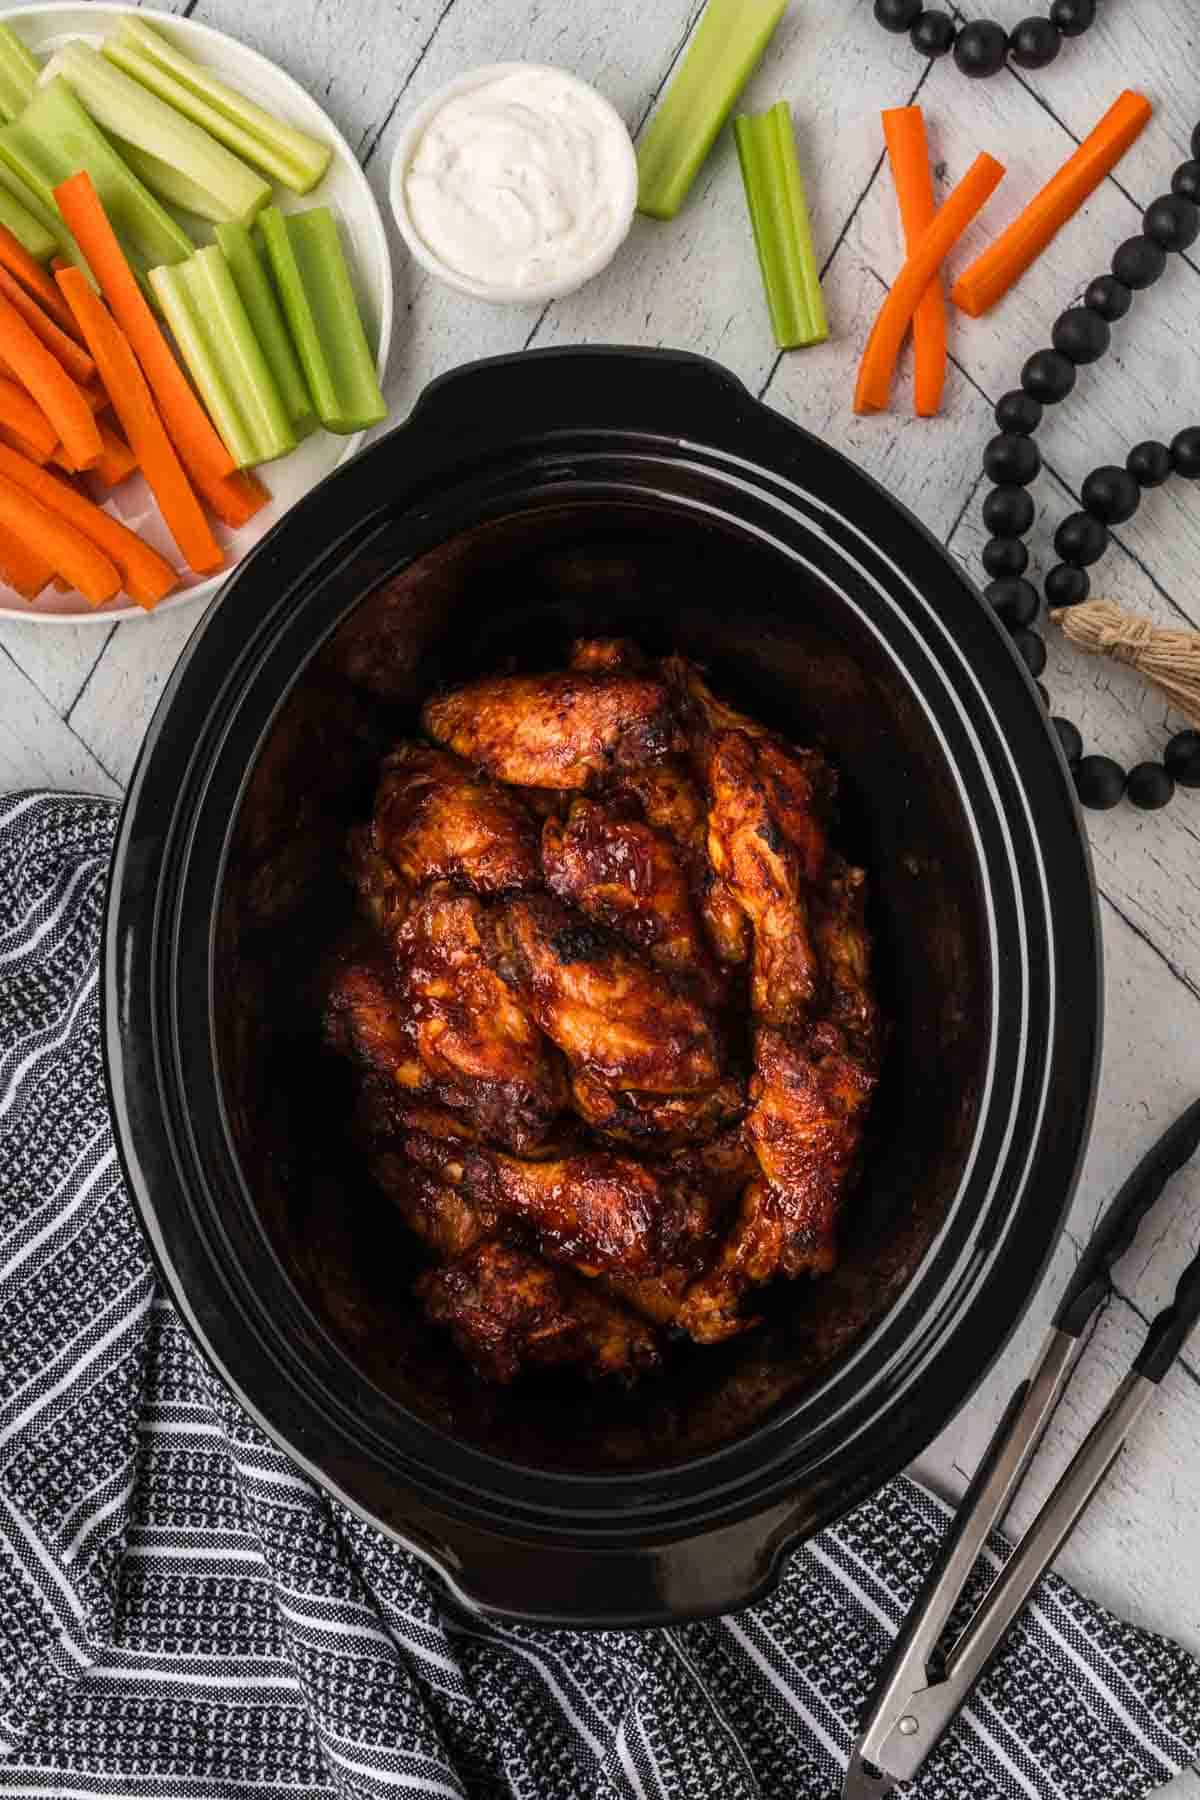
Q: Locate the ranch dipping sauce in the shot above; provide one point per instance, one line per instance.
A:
(521, 182)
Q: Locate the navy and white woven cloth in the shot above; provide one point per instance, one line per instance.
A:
(183, 1616)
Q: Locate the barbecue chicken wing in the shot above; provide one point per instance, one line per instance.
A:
(384, 896)
(620, 871)
(556, 731)
(437, 818)
(657, 1122)
(363, 1017)
(614, 1016)
(508, 1311)
(595, 1210)
(444, 1221)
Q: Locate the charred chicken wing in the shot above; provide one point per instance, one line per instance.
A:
(657, 1122)
(508, 1311)
(556, 731)
(437, 818)
(613, 1015)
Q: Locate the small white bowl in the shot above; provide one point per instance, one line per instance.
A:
(624, 202)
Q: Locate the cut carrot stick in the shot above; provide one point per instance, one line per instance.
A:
(117, 461)
(134, 406)
(50, 385)
(16, 259)
(887, 335)
(76, 362)
(147, 577)
(189, 426)
(15, 441)
(1001, 265)
(908, 153)
(235, 498)
(23, 415)
(76, 558)
(21, 567)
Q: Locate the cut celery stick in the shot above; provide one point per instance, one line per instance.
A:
(176, 159)
(46, 216)
(766, 145)
(18, 74)
(318, 301)
(727, 43)
(28, 231)
(201, 305)
(267, 322)
(281, 151)
(54, 138)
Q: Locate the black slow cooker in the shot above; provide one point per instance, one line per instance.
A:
(527, 501)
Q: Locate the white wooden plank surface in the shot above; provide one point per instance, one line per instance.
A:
(74, 702)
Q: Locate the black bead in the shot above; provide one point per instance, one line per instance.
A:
(1070, 738)
(1081, 540)
(1081, 334)
(1111, 495)
(1185, 452)
(933, 34)
(896, 15)
(1149, 787)
(1067, 586)
(1149, 464)
(1172, 221)
(1005, 556)
(1139, 263)
(1048, 376)
(1100, 783)
(1032, 651)
(1018, 412)
(1009, 458)
(1183, 759)
(1015, 601)
(1186, 181)
(1008, 512)
(1108, 297)
(1034, 43)
(1073, 16)
(980, 48)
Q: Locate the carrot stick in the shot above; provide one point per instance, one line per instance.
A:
(76, 362)
(19, 413)
(235, 498)
(50, 385)
(74, 556)
(1003, 263)
(117, 461)
(191, 431)
(887, 335)
(21, 567)
(147, 577)
(17, 260)
(134, 406)
(15, 441)
(908, 153)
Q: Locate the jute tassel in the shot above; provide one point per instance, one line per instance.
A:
(1170, 659)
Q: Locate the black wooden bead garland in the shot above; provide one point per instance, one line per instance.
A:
(982, 48)
(1110, 495)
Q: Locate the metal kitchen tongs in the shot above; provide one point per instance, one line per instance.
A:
(919, 1692)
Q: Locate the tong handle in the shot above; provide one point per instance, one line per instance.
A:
(1172, 1328)
(1119, 1226)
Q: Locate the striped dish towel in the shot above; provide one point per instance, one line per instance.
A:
(183, 1616)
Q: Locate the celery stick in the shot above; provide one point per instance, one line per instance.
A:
(288, 155)
(175, 158)
(322, 314)
(47, 217)
(201, 305)
(726, 45)
(54, 138)
(775, 195)
(262, 309)
(28, 231)
(18, 74)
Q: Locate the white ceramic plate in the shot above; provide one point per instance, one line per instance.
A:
(46, 29)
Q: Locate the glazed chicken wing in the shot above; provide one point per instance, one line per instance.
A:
(622, 872)
(657, 1122)
(508, 1311)
(384, 896)
(612, 1014)
(364, 1020)
(444, 1221)
(766, 843)
(556, 731)
(437, 818)
(594, 1210)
